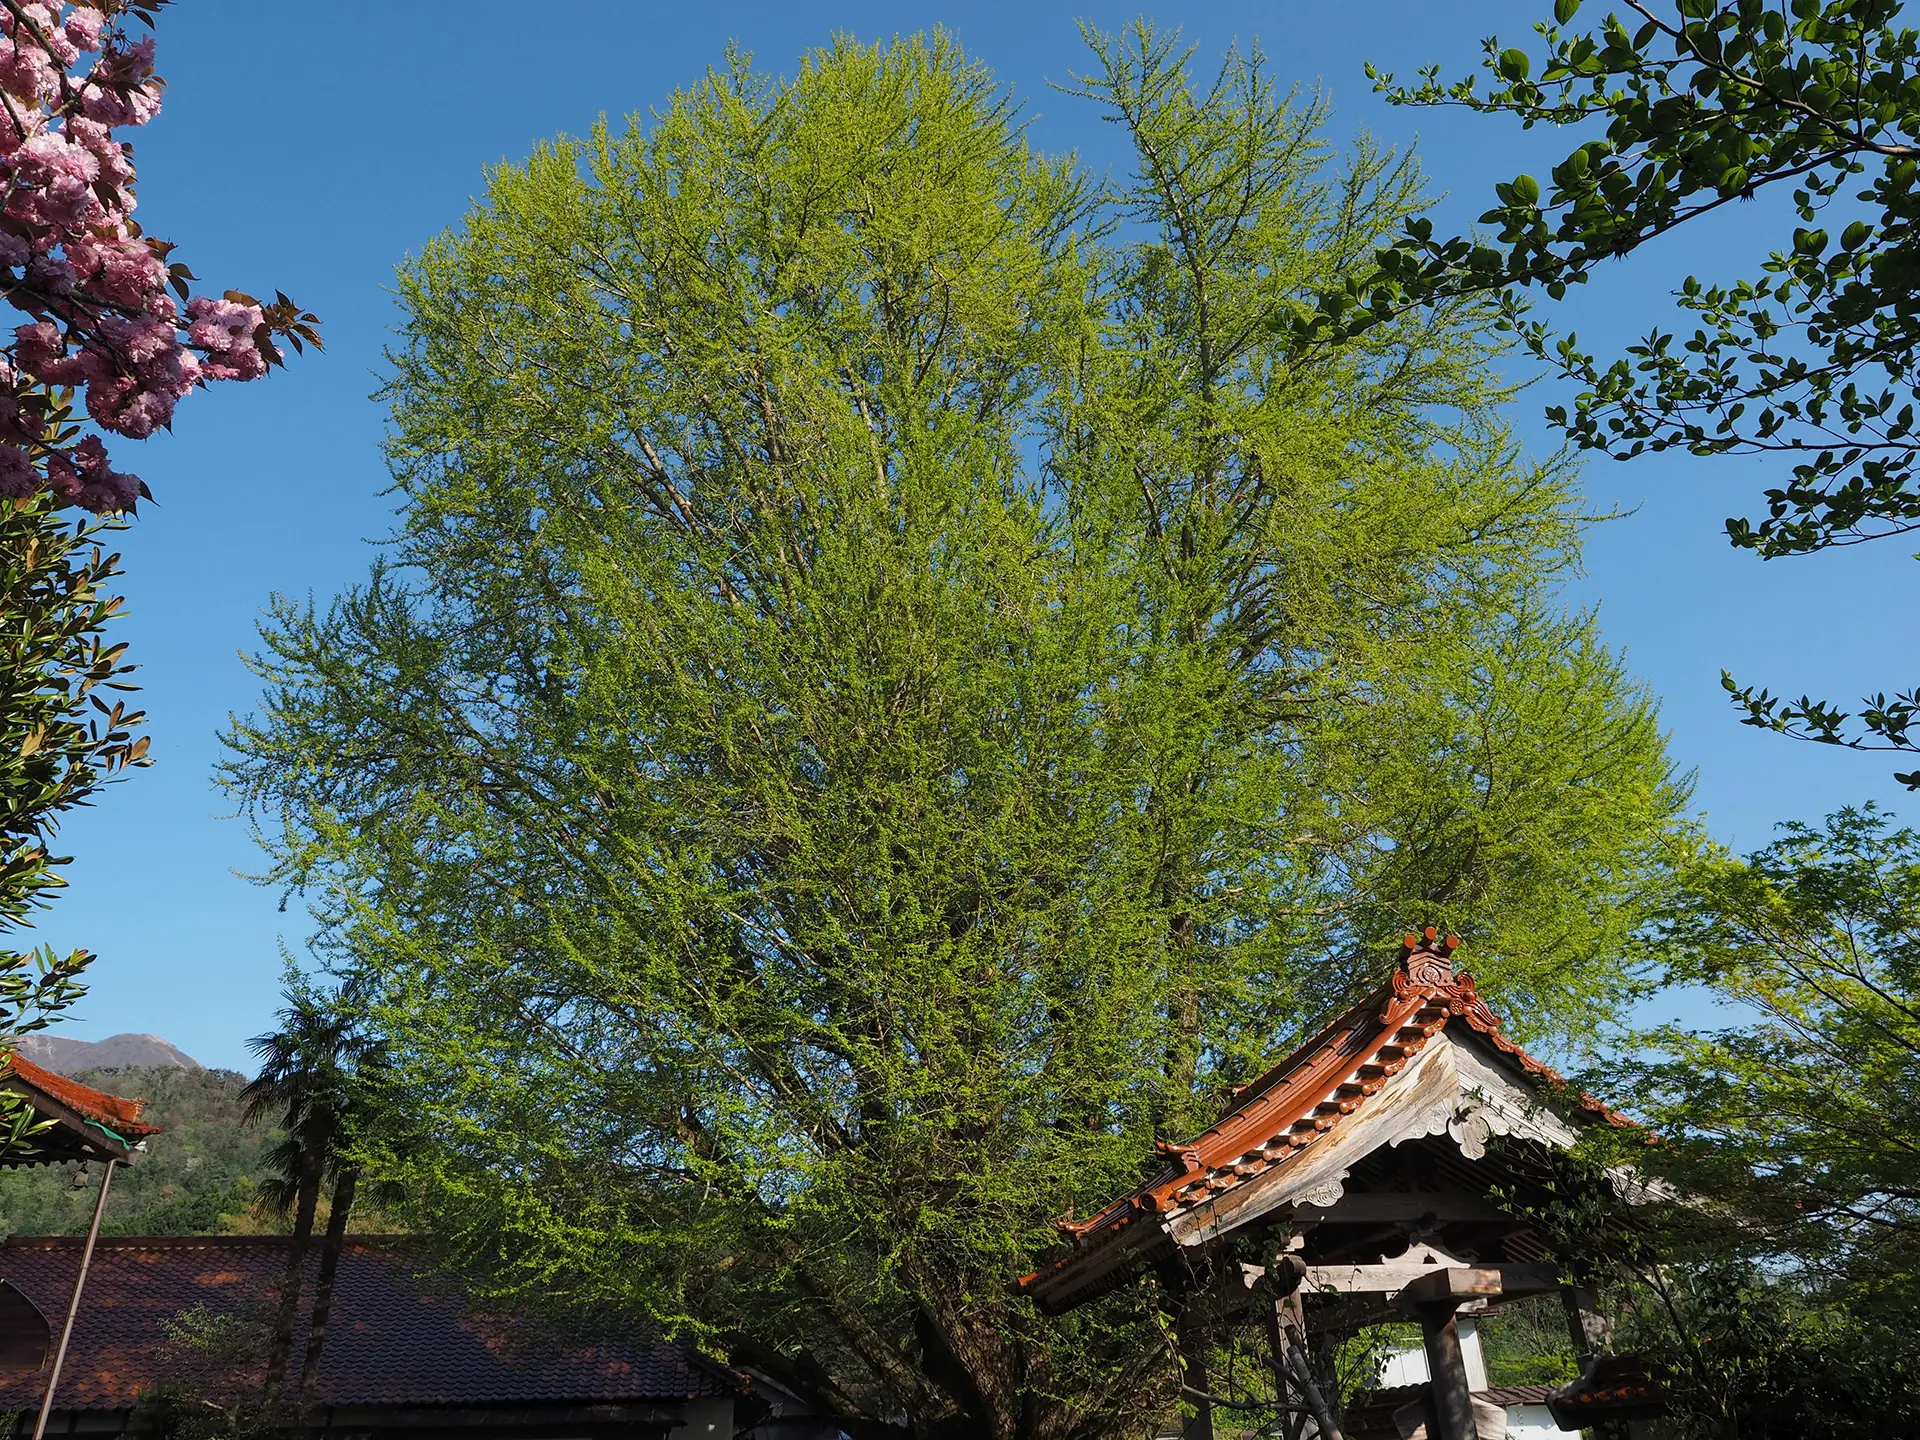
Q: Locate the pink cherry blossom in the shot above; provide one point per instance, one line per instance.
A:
(101, 315)
(18, 478)
(88, 367)
(63, 479)
(109, 154)
(27, 72)
(139, 340)
(51, 276)
(58, 44)
(36, 346)
(120, 403)
(225, 331)
(126, 272)
(53, 154)
(83, 28)
(61, 204)
(104, 488)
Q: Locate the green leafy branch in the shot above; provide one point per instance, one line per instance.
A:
(1888, 722)
(1696, 106)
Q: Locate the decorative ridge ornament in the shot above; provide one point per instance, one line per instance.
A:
(1187, 1157)
(1425, 968)
(1427, 961)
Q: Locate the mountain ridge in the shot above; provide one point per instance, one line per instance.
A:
(65, 1054)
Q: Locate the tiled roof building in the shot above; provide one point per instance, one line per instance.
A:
(88, 1124)
(1365, 1160)
(405, 1355)
(69, 1122)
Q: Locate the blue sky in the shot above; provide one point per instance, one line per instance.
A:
(311, 148)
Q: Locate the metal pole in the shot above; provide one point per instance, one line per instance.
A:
(73, 1306)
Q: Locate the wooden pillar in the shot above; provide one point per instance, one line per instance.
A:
(1285, 1387)
(1293, 1382)
(1452, 1400)
(1193, 1371)
(1586, 1327)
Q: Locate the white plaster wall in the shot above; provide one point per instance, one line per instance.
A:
(1409, 1366)
(1403, 1367)
(1532, 1422)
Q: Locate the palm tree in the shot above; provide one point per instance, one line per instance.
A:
(367, 1060)
(309, 1083)
(346, 1181)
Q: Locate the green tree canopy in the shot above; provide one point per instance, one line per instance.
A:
(1690, 107)
(1801, 1119)
(893, 686)
(66, 730)
(1777, 1284)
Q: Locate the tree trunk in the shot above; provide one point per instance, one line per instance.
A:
(1195, 1382)
(344, 1185)
(1183, 1039)
(311, 1168)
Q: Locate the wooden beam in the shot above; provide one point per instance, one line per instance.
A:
(1455, 1284)
(1394, 1207)
(1343, 1314)
(1293, 1367)
(1194, 1379)
(1586, 1327)
(1391, 1277)
(1387, 1278)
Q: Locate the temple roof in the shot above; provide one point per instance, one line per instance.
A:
(1299, 1106)
(86, 1124)
(403, 1330)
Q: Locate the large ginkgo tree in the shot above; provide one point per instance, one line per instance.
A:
(894, 686)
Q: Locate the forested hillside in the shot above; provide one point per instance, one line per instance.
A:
(197, 1176)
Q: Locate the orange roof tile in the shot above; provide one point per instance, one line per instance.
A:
(114, 1112)
(1305, 1095)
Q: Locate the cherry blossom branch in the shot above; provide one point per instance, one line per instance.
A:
(111, 324)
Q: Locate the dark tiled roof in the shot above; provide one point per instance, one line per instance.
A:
(1613, 1386)
(1609, 1387)
(1520, 1394)
(397, 1337)
(1391, 1398)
